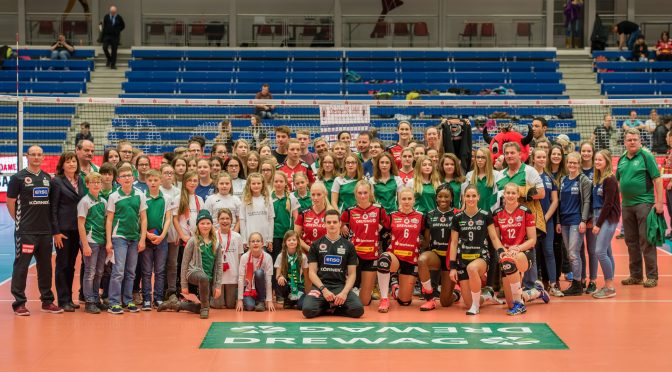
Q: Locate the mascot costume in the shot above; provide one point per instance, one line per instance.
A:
(456, 139)
(507, 134)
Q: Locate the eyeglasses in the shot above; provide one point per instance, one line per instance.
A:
(126, 176)
(36, 155)
(351, 163)
(95, 182)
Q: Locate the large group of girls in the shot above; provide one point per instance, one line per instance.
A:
(247, 216)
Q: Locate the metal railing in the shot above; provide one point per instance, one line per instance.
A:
(185, 29)
(394, 31)
(504, 30)
(653, 25)
(43, 28)
(285, 30)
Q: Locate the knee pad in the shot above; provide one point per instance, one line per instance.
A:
(508, 266)
(404, 303)
(384, 263)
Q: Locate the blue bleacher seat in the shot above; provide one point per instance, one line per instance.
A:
(616, 54)
(36, 123)
(46, 53)
(48, 149)
(326, 65)
(43, 87)
(35, 136)
(45, 64)
(55, 75)
(634, 66)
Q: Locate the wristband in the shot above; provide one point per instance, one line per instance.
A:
(321, 288)
(453, 264)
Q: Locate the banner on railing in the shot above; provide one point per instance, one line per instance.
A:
(338, 118)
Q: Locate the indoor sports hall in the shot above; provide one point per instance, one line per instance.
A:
(149, 79)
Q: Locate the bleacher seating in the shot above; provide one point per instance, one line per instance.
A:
(629, 78)
(43, 124)
(218, 72)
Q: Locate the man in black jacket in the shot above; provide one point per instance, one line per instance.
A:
(113, 24)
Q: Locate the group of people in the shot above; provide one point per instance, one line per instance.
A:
(251, 226)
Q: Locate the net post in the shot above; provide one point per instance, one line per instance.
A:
(19, 135)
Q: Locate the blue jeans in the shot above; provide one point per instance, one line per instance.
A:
(592, 257)
(154, 260)
(603, 247)
(573, 239)
(63, 55)
(572, 28)
(123, 270)
(260, 286)
(547, 246)
(94, 266)
(632, 38)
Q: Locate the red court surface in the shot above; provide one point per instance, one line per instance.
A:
(631, 332)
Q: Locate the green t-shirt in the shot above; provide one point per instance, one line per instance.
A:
(345, 187)
(283, 214)
(105, 194)
(93, 209)
(488, 197)
(636, 176)
(126, 209)
(328, 184)
(386, 193)
(156, 212)
(304, 202)
(208, 259)
(426, 200)
(457, 192)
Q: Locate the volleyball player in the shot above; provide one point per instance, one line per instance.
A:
(362, 223)
(469, 249)
(406, 227)
(437, 239)
(516, 227)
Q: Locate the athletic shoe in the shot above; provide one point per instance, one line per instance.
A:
(457, 295)
(91, 308)
(473, 312)
(417, 290)
(51, 308)
(205, 312)
(436, 294)
(68, 308)
(384, 305)
(21, 310)
(287, 305)
(280, 299)
(592, 287)
(517, 309)
(605, 292)
(101, 306)
(137, 298)
(116, 310)
(429, 305)
(631, 281)
(156, 304)
(569, 276)
(259, 307)
(539, 286)
(77, 306)
(555, 291)
(488, 295)
(131, 308)
(620, 236)
(355, 290)
(650, 283)
(146, 306)
(106, 302)
(394, 289)
(375, 295)
(574, 289)
(172, 304)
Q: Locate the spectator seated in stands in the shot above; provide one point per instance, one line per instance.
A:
(84, 133)
(664, 47)
(264, 111)
(640, 50)
(61, 49)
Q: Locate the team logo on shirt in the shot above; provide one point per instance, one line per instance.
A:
(28, 181)
(414, 220)
(510, 221)
(479, 223)
(407, 221)
(41, 192)
(340, 250)
(519, 219)
(323, 247)
(442, 219)
(470, 223)
(332, 259)
(365, 216)
(45, 182)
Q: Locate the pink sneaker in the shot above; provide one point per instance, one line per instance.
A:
(429, 305)
(384, 305)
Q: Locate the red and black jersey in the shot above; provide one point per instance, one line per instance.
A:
(513, 226)
(364, 226)
(406, 176)
(312, 225)
(289, 171)
(406, 230)
(396, 150)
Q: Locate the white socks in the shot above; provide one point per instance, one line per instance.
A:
(475, 303)
(516, 291)
(384, 284)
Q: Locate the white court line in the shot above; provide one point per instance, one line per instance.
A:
(664, 251)
(10, 278)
